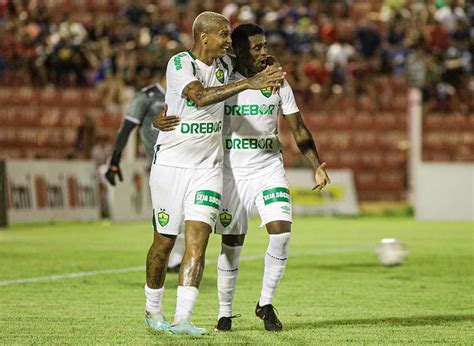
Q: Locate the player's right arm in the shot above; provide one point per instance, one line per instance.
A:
(196, 92)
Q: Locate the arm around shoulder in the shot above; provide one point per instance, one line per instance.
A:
(202, 96)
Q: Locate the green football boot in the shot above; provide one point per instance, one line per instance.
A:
(187, 328)
(156, 322)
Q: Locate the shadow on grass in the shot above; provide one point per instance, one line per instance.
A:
(409, 321)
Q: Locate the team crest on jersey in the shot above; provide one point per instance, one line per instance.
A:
(267, 92)
(220, 75)
(163, 218)
(225, 218)
(190, 103)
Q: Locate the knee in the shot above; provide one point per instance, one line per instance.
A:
(196, 249)
(278, 245)
(279, 227)
(233, 240)
(197, 237)
(162, 243)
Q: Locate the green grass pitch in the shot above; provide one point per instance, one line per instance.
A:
(333, 290)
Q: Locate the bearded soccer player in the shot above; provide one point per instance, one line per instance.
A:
(254, 175)
(186, 175)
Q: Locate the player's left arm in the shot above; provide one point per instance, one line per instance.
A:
(302, 136)
(134, 116)
(304, 141)
(120, 143)
(164, 122)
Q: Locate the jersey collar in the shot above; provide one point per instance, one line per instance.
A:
(192, 55)
(196, 59)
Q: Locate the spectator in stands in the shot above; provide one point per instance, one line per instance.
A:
(416, 67)
(85, 139)
(135, 12)
(41, 44)
(450, 14)
(437, 37)
(102, 150)
(73, 31)
(337, 59)
(367, 39)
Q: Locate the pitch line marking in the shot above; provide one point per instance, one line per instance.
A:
(76, 275)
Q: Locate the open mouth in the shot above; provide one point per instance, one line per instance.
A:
(262, 63)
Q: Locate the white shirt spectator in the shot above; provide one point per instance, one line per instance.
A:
(449, 17)
(74, 31)
(339, 54)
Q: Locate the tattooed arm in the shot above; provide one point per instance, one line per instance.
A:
(306, 144)
(201, 96)
(303, 138)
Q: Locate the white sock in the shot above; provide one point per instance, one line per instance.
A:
(186, 298)
(153, 299)
(275, 264)
(227, 272)
(176, 255)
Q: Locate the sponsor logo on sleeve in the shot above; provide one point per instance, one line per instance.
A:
(177, 61)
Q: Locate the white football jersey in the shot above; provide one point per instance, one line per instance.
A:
(197, 140)
(250, 134)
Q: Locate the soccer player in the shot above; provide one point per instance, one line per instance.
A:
(254, 175)
(186, 175)
(145, 105)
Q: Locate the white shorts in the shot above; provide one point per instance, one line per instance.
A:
(269, 193)
(184, 194)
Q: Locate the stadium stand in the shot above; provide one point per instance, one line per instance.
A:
(62, 62)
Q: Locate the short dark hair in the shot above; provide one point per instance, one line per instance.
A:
(240, 35)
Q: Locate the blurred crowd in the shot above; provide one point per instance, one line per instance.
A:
(344, 52)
